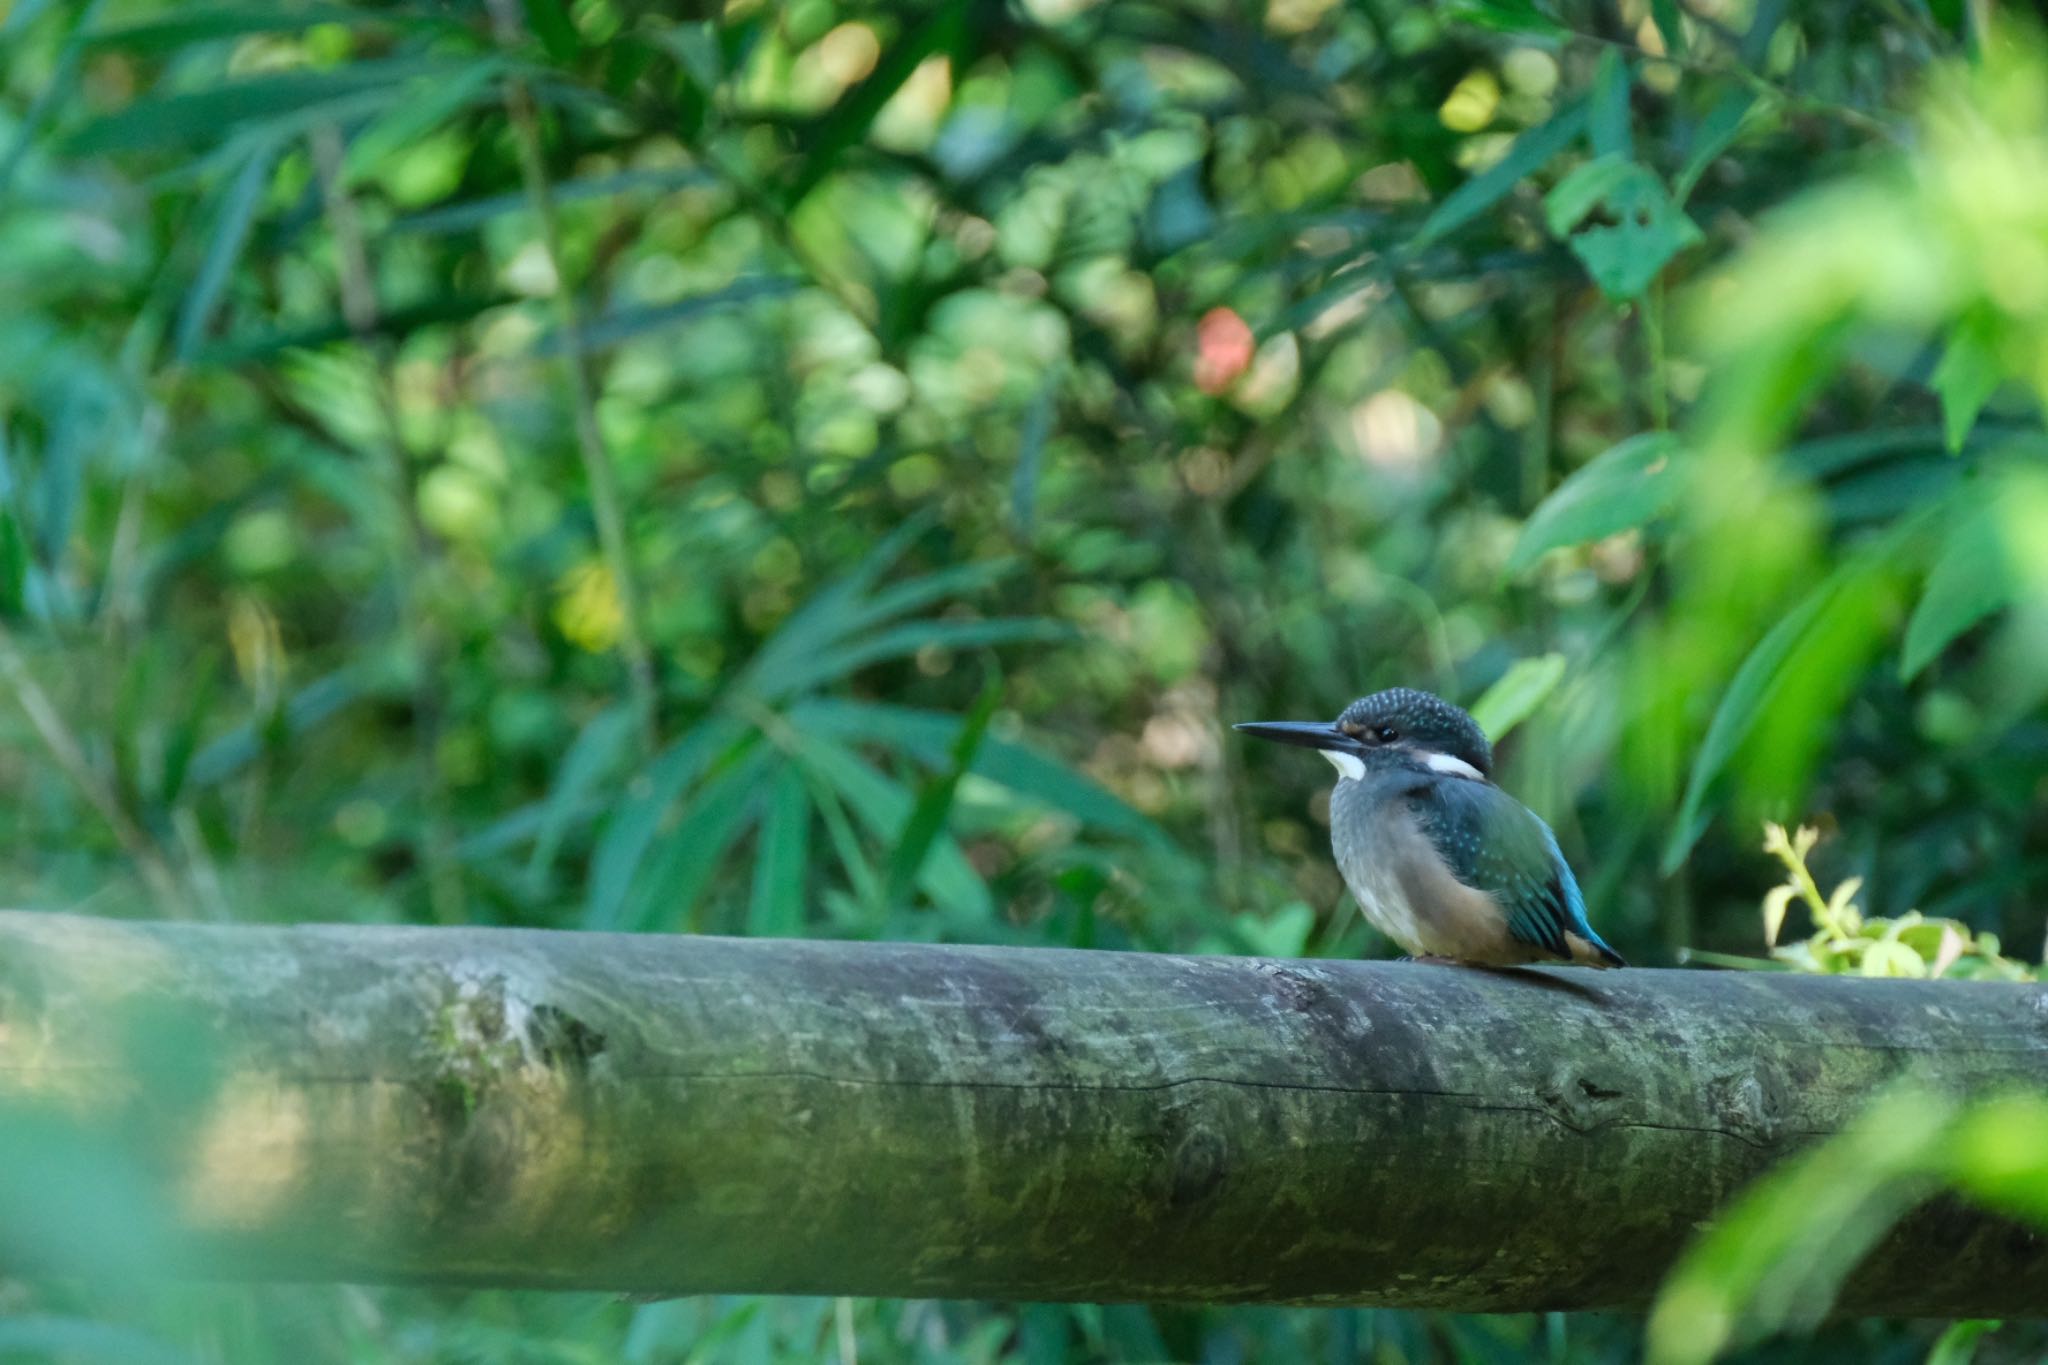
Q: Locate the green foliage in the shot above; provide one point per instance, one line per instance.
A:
(1640, 231)
(1775, 1259)
(1517, 693)
(1844, 940)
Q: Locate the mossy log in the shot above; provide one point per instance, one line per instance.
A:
(670, 1115)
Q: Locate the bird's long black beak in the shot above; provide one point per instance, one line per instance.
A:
(1309, 734)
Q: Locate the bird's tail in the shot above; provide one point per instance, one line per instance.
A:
(1590, 950)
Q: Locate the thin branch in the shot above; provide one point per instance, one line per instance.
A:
(64, 746)
(435, 843)
(508, 27)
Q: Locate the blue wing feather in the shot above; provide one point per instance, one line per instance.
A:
(1495, 844)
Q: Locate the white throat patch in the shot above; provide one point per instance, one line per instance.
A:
(1349, 767)
(1448, 764)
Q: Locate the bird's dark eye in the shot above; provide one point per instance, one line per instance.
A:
(1384, 734)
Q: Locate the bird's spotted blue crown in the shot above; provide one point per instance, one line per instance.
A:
(1423, 720)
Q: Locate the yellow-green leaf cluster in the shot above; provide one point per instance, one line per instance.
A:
(1846, 942)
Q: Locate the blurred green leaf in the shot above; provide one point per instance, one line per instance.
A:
(1715, 134)
(1957, 1345)
(943, 30)
(782, 863)
(62, 82)
(208, 113)
(1670, 23)
(1646, 229)
(1969, 373)
(1023, 770)
(1998, 1154)
(260, 344)
(839, 607)
(1830, 456)
(597, 752)
(399, 129)
(22, 14)
(44, 1337)
(1517, 693)
(682, 860)
(1626, 487)
(1848, 602)
(551, 23)
(182, 742)
(304, 711)
(189, 26)
(935, 800)
(1284, 933)
(1505, 16)
(903, 641)
(622, 324)
(14, 566)
(884, 805)
(463, 215)
(615, 864)
(1607, 108)
(1038, 421)
(1968, 582)
(1775, 1258)
(233, 214)
(1531, 152)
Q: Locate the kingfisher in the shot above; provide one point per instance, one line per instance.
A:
(1440, 859)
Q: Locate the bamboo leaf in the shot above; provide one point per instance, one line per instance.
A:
(883, 804)
(682, 862)
(205, 115)
(935, 802)
(1017, 767)
(431, 104)
(232, 219)
(1969, 581)
(1717, 131)
(549, 21)
(914, 637)
(620, 325)
(186, 27)
(1968, 374)
(309, 707)
(1670, 25)
(631, 830)
(1627, 486)
(1607, 107)
(1517, 694)
(593, 756)
(1506, 16)
(782, 860)
(1844, 610)
(1531, 152)
(1038, 422)
(466, 214)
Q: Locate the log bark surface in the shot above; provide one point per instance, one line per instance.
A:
(682, 1114)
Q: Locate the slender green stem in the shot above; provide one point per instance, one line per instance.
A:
(1653, 342)
(508, 26)
(435, 843)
